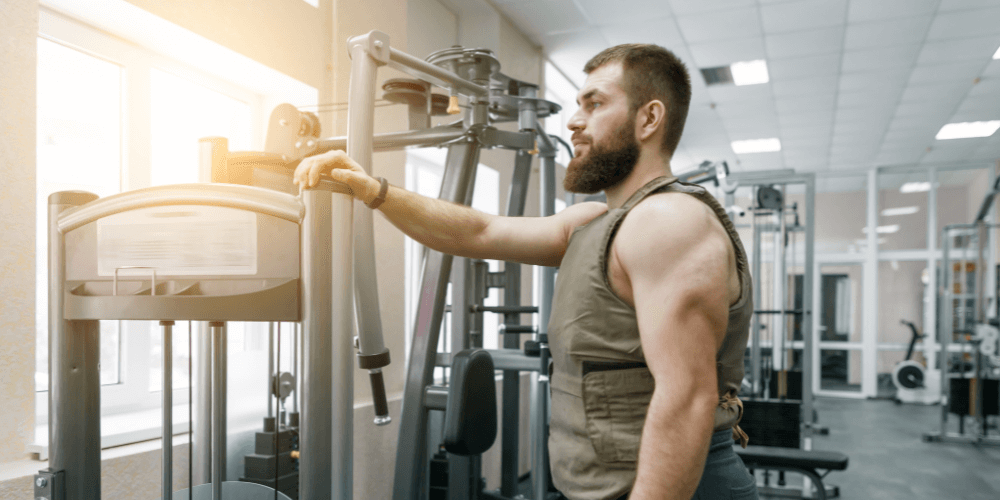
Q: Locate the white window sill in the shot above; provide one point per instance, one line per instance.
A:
(122, 429)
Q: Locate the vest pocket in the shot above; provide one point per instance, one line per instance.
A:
(615, 402)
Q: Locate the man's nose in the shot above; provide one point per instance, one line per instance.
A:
(576, 122)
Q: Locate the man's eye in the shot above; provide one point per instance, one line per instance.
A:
(594, 105)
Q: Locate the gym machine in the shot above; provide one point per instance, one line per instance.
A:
(489, 98)
(968, 333)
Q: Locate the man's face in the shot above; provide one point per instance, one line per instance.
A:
(605, 147)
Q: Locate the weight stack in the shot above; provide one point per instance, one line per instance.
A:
(259, 467)
(963, 391)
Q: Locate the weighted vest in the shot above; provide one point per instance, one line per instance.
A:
(600, 385)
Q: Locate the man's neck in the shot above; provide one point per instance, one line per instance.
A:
(648, 167)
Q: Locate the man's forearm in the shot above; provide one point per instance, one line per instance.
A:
(441, 225)
(675, 442)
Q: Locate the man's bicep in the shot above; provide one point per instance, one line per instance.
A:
(538, 241)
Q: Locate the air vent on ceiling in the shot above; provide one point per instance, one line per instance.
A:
(721, 75)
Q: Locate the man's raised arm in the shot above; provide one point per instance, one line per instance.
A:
(456, 229)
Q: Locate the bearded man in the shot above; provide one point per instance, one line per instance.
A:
(652, 306)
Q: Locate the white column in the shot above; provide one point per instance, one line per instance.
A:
(931, 345)
(869, 333)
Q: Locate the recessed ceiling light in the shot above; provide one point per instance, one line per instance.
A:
(965, 130)
(749, 72)
(756, 146)
(883, 229)
(889, 212)
(915, 187)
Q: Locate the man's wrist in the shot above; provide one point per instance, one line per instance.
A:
(380, 188)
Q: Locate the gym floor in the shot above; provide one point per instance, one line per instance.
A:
(889, 460)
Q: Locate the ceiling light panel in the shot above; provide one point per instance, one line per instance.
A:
(892, 212)
(915, 187)
(997, 54)
(966, 130)
(756, 146)
(749, 72)
(723, 53)
(888, 229)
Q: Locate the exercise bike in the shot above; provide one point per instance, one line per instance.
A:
(914, 382)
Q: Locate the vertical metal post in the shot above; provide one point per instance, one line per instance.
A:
(779, 297)
(869, 354)
(411, 460)
(315, 441)
(168, 409)
(341, 304)
(540, 382)
(946, 324)
(807, 301)
(220, 357)
(201, 440)
(755, 361)
(74, 377)
(509, 439)
(931, 342)
(463, 473)
(270, 367)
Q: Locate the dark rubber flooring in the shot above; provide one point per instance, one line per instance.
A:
(889, 459)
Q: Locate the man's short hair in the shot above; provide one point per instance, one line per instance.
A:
(652, 72)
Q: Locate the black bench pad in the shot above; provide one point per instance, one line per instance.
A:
(769, 456)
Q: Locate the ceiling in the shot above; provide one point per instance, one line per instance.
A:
(853, 83)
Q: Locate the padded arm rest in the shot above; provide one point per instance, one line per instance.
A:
(768, 456)
(470, 419)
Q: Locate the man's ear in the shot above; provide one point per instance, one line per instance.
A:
(650, 118)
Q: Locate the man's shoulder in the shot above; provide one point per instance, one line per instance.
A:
(671, 210)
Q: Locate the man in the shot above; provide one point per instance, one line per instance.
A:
(651, 311)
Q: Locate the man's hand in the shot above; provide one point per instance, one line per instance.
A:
(340, 168)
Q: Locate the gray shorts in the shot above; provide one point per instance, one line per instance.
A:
(725, 477)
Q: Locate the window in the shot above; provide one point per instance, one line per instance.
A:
(561, 91)
(113, 117)
(424, 174)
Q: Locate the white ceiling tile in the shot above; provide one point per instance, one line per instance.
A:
(949, 51)
(538, 19)
(850, 117)
(802, 15)
(807, 86)
(756, 128)
(899, 156)
(746, 109)
(726, 52)
(883, 100)
(807, 130)
(950, 5)
(761, 161)
(601, 11)
(806, 145)
(884, 33)
(795, 104)
(802, 43)
(694, 142)
(937, 73)
(947, 154)
(946, 94)
(570, 52)
(720, 25)
(868, 10)
(804, 67)
(923, 112)
(982, 107)
(909, 137)
(684, 7)
(888, 78)
(986, 87)
(856, 61)
(661, 31)
(965, 23)
(731, 93)
(993, 68)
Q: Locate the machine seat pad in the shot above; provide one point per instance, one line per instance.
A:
(769, 456)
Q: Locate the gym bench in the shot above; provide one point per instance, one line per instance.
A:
(806, 462)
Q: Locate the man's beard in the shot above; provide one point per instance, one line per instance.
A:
(604, 166)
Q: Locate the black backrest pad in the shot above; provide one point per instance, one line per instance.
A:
(470, 420)
(772, 422)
